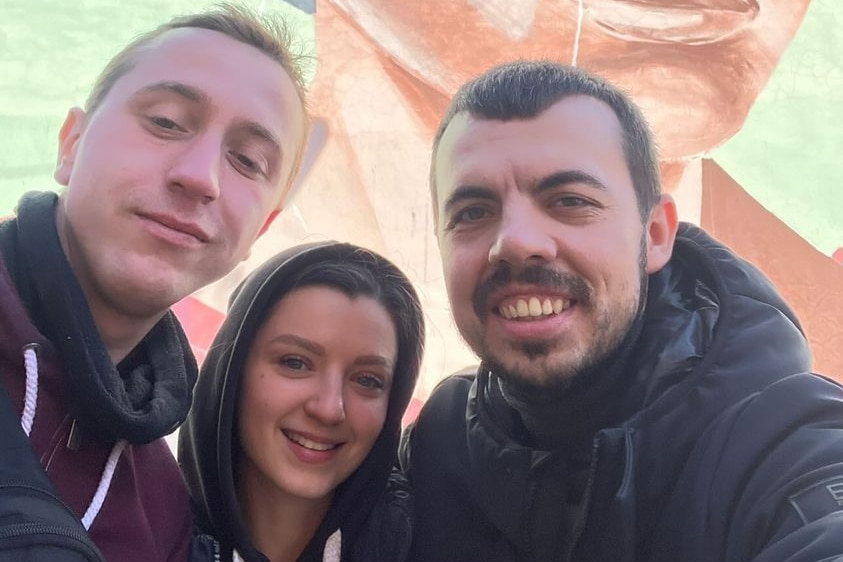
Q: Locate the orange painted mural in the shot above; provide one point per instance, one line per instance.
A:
(386, 70)
(744, 97)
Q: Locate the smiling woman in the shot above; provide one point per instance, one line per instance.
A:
(290, 445)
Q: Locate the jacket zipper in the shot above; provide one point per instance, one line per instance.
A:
(531, 499)
(19, 529)
(578, 530)
(41, 491)
(80, 539)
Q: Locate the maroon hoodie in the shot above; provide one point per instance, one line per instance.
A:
(144, 513)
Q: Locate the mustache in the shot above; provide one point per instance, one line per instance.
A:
(537, 275)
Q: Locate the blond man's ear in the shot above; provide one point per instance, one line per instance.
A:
(69, 134)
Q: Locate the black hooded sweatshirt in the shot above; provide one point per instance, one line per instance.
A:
(712, 444)
(85, 409)
(371, 509)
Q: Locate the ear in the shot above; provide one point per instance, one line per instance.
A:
(661, 233)
(69, 135)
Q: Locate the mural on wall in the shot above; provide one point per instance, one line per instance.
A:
(387, 69)
(739, 94)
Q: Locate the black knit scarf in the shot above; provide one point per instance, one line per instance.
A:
(148, 394)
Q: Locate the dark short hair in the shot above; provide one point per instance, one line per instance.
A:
(525, 89)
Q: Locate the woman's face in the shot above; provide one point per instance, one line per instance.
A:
(315, 391)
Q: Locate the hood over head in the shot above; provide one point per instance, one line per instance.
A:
(208, 445)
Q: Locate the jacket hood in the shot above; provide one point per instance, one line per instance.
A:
(143, 398)
(714, 332)
(208, 444)
(711, 314)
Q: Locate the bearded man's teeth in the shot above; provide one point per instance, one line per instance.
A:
(533, 307)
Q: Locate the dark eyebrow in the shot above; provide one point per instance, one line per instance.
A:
(467, 192)
(557, 179)
(301, 342)
(568, 177)
(317, 349)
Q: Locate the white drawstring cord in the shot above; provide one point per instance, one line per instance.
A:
(333, 547)
(102, 487)
(30, 398)
(30, 402)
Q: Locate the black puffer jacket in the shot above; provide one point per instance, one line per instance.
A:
(372, 508)
(721, 450)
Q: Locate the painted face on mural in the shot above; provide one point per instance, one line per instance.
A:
(695, 69)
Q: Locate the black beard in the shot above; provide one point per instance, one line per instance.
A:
(548, 391)
(560, 383)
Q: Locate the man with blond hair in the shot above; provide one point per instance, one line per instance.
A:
(183, 154)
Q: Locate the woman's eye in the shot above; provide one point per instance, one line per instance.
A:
(294, 363)
(370, 381)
